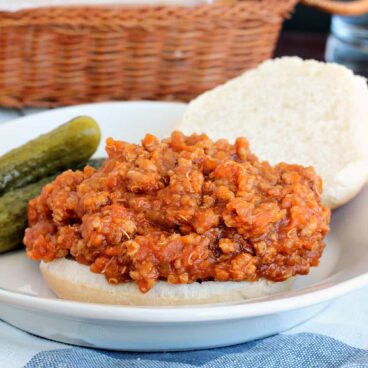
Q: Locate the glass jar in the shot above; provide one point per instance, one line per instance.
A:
(348, 43)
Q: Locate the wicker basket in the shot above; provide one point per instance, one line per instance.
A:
(63, 56)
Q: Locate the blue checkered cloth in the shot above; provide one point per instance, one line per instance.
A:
(337, 337)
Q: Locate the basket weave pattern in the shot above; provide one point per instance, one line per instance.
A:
(63, 56)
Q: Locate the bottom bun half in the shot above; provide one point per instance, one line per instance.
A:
(71, 280)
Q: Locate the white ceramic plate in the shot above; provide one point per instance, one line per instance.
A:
(28, 304)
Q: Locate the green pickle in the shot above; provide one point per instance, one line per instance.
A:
(13, 209)
(13, 214)
(60, 149)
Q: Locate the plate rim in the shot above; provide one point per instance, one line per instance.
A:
(177, 314)
(53, 111)
(181, 314)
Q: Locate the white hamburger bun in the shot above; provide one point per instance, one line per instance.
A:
(294, 111)
(71, 280)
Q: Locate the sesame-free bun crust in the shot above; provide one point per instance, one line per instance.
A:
(71, 280)
(295, 111)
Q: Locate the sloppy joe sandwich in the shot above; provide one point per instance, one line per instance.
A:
(179, 221)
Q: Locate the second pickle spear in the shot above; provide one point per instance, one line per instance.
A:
(55, 151)
(13, 209)
(13, 214)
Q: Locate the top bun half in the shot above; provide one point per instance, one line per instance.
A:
(295, 111)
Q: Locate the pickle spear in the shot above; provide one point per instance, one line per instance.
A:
(13, 214)
(60, 149)
(13, 209)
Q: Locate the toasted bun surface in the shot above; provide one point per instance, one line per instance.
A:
(294, 111)
(71, 280)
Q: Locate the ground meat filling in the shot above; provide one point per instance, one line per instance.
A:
(184, 209)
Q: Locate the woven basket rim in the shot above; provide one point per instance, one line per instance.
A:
(105, 16)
